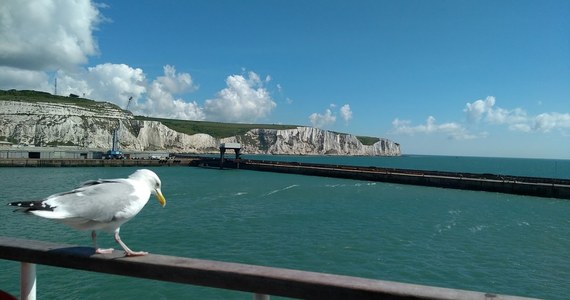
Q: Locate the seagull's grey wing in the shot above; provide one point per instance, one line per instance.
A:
(94, 200)
(95, 182)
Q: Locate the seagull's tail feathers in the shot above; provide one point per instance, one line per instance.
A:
(28, 206)
(38, 208)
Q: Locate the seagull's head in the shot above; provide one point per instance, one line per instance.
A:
(154, 183)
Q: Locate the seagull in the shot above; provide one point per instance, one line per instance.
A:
(103, 204)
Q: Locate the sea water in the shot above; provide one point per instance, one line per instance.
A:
(481, 241)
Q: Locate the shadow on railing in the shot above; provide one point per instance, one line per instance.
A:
(262, 281)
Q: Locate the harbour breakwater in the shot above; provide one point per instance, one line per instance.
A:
(56, 162)
(520, 185)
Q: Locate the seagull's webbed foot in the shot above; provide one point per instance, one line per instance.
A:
(99, 250)
(135, 253)
(128, 251)
(104, 251)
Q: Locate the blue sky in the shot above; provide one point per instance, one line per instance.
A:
(477, 78)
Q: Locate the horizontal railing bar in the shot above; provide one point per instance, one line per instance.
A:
(225, 275)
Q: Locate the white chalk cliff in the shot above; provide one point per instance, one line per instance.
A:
(51, 124)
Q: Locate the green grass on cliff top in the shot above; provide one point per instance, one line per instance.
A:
(35, 96)
(215, 129)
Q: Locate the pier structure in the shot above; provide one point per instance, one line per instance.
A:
(520, 185)
(259, 280)
(224, 146)
(60, 162)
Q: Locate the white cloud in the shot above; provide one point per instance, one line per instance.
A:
(45, 35)
(43, 39)
(520, 127)
(106, 82)
(451, 130)
(328, 118)
(485, 110)
(548, 121)
(504, 116)
(19, 79)
(175, 83)
(477, 109)
(516, 119)
(346, 113)
(243, 100)
(322, 120)
(116, 83)
(160, 100)
(57, 35)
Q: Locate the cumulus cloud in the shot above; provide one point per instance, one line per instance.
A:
(105, 82)
(47, 34)
(47, 39)
(160, 101)
(322, 120)
(175, 82)
(451, 130)
(485, 110)
(117, 83)
(516, 119)
(19, 79)
(546, 122)
(477, 109)
(328, 118)
(346, 113)
(243, 100)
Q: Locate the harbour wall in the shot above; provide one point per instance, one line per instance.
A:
(520, 185)
(24, 162)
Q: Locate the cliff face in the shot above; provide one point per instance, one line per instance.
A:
(48, 124)
(308, 140)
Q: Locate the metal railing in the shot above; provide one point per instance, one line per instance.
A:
(261, 281)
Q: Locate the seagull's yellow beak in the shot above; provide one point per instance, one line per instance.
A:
(160, 197)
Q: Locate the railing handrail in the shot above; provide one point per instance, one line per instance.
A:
(225, 275)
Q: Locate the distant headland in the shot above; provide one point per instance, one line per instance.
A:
(31, 118)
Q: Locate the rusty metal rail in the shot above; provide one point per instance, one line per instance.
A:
(262, 281)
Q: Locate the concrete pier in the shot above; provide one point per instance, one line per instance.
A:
(531, 186)
(26, 162)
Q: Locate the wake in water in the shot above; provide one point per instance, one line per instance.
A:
(477, 228)
(351, 185)
(281, 190)
(449, 224)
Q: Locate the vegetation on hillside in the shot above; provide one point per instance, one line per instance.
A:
(215, 129)
(35, 96)
(367, 140)
(224, 130)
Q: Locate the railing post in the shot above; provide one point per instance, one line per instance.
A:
(260, 297)
(27, 281)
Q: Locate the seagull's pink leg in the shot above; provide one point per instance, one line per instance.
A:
(128, 251)
(99, 250)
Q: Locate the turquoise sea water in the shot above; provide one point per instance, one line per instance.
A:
(450, 238)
